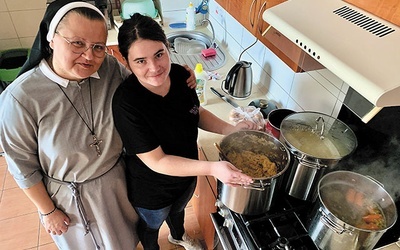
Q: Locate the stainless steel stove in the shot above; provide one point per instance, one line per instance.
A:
(282, 227)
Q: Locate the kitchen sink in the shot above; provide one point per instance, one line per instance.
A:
(186, 46)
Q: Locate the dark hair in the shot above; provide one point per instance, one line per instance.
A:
(139, 27)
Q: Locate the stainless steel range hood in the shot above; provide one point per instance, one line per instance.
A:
(360, 48)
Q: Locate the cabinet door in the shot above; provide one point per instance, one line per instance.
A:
(385, 9)
(203, 205)
(223, 3)
(245, 12)
(203, 202)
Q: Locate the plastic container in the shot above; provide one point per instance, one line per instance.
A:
(190, 17)
(11, 62)
(144, 7)
(201, 80)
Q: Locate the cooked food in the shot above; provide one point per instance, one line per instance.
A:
(253, 164)
(356, 209)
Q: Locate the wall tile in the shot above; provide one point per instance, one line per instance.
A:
(342, 95)
(7, 29)
(14, 5)
(278, 94)
(220, 32)
(27, 28)
(334, 79)
(257, 50)
(344, 87)
(257, 72)
(233, 47)
(217, 12)
(234, 28)
(335, 90)
(279, 71)
(311, 95)
(27, 42)
(9, 44)
(336, 109)
(3, 6)
(294, 106)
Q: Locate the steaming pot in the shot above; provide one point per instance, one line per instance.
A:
(317, 141)
(334, 224)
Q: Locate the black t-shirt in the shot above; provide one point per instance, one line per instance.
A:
(145, 121)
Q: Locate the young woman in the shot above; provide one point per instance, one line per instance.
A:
(58, 135)
(158, 118)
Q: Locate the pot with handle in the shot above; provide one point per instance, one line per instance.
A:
(318, 142)
(352, 212)
(257, 197)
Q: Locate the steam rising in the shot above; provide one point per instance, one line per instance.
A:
(384, 166)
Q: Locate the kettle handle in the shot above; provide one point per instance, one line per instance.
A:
(226, 84)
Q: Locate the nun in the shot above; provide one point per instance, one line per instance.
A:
(58, 135)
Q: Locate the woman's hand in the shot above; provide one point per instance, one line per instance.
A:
(243, 125)
(229, 174)
(56, 223)
(191, 81)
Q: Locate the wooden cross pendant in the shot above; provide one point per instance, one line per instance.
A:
(96, 143)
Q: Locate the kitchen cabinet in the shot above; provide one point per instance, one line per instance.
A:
(203, 202)
(385, 9)
(245, 12)
(249, 14)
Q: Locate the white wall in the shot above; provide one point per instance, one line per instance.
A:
(320, 90)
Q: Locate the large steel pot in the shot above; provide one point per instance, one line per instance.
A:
(257, 197)
(317, 141)
(334, 218)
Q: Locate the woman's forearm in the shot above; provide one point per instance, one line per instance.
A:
(211, 123)
(39, 196)
(172, 165)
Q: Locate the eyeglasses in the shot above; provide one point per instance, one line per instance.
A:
(80, 47)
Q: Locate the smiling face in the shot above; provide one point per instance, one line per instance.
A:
(75, 27)
(149, 60)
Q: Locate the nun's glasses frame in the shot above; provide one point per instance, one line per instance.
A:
(80, 47)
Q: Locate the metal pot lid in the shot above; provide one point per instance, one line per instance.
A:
(318, 135)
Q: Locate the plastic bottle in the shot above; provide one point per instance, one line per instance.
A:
(190, 17)
(201, 80)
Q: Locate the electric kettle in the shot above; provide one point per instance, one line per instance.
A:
(239, 80)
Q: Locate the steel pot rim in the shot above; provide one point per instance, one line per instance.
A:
(274, 140)
(298, 151)
(344, 224)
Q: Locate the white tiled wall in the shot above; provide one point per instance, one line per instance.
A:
(19, 22)
(319, 90)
